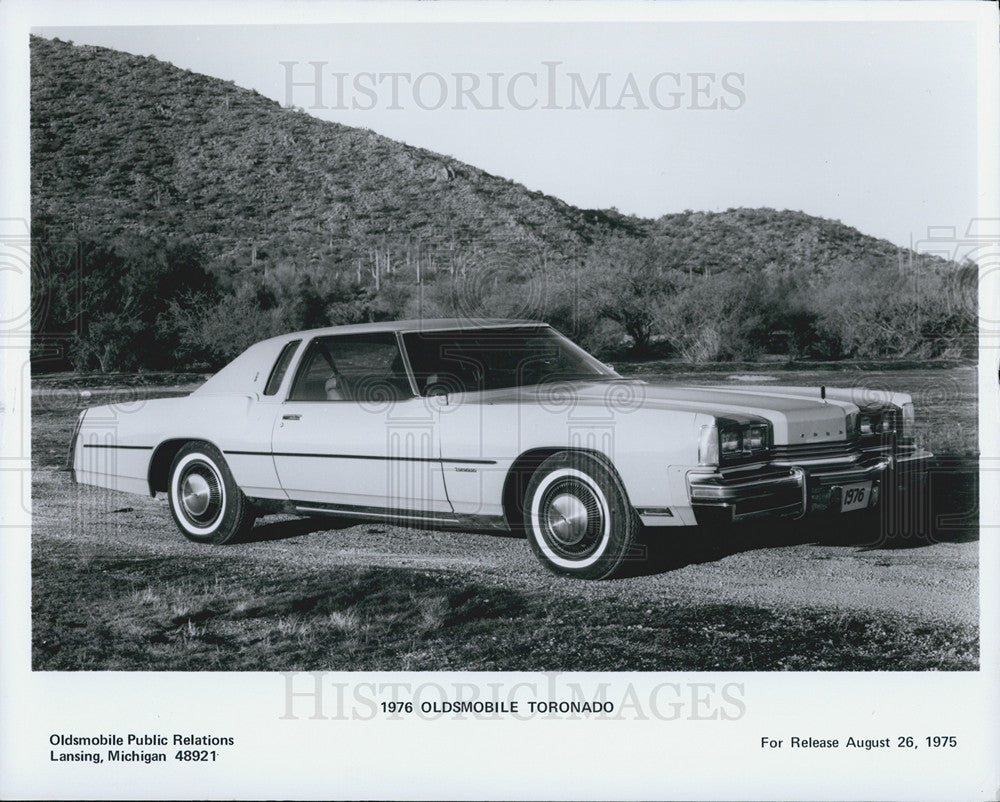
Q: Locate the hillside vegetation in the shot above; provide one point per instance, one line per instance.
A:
(178, 218)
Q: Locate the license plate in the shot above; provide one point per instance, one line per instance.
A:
(855, 497)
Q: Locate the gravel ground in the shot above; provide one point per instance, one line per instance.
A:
(803, 565)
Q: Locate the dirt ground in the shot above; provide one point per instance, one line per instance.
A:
(116, 586)
(789, 566)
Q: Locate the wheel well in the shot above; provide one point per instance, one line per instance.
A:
(520, 473)
(159, 464)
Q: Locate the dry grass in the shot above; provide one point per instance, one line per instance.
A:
(136, 615)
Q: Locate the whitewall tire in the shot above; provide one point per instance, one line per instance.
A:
(577, 518)
(205, 501)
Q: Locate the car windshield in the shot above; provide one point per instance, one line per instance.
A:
(495, 359)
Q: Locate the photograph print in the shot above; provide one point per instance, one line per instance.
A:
(550, 346)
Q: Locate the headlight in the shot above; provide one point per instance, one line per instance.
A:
(730, 442)
(852, 424)
(756, 438)
(884, 421)
(731, 439)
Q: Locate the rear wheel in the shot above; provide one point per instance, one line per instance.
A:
(206, 503)
(577, 518)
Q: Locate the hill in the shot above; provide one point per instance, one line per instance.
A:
(126, 143)
(201, 215)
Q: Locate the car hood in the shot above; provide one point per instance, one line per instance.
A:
(797, 414)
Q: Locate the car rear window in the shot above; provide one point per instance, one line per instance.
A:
(280, 367)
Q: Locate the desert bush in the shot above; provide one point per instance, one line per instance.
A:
(877, 313)
(713, 317)
(212, 334)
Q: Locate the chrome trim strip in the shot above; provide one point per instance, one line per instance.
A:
(350, 513)
(916, 456)
(655, 512)
(800, 474)
(71, 457)
(360, 456)
(401, 345)
(106, 445)
(711, 491)
(855, 475)
(390, 515)
(849, 458)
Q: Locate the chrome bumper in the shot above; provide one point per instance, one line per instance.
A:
(772, 491)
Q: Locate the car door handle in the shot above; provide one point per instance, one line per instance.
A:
(291, 417)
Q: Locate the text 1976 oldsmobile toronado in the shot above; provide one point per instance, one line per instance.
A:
(504, 424)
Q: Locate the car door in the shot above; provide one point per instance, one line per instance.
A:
(351, 434)
(478, 436)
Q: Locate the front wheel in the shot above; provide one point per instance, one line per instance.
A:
(577, 518)
(205, 501)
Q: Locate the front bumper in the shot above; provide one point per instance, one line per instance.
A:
(792, 491)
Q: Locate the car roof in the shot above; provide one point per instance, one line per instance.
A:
(426, 325)
(249, 372)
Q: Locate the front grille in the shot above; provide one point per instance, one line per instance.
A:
(877, 442)
(842, 449)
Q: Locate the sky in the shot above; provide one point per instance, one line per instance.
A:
(869, 123)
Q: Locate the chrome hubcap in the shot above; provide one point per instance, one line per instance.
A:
(200, 494)
(196, 494)
(567, 519)
(572, 518)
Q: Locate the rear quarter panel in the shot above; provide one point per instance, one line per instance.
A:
(116, 444)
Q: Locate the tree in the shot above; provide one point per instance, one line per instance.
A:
(630, 281)
(113, 296)
(711, 317)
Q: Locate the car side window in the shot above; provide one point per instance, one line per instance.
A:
(280, 367)
(359, 367)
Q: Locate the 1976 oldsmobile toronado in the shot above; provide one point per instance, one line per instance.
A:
(504, 424)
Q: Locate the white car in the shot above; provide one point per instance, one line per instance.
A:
(502, 424)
